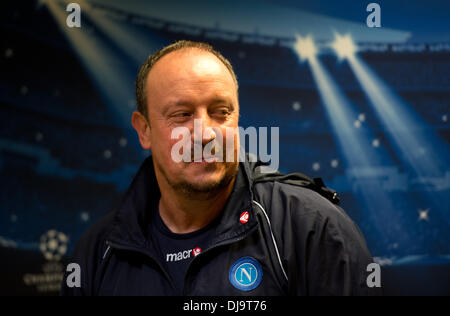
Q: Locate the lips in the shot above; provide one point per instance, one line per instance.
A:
(206, 159)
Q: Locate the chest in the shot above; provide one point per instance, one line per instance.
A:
(241, 268)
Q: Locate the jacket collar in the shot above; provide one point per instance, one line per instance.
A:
(132, 218)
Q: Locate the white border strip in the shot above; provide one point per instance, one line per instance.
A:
(273, 239)
(106, 252)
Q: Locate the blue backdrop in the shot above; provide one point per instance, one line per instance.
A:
(366, 109)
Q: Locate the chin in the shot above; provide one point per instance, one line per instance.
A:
(206, 182)
(206, 179)
(197, 179)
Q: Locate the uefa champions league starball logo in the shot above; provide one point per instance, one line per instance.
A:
(53, 245)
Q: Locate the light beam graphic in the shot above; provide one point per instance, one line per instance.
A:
(110, 74)
(133, 43)
(305, 47)
(344, 46)
(415, 142)
(360, 156)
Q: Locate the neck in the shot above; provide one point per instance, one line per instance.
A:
(184, 214)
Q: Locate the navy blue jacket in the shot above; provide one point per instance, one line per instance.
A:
(296, 242)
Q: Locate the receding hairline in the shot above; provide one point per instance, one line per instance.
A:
(185, 51)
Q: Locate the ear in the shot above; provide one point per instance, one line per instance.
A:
(142, 127)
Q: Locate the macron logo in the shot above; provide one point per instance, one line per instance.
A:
(183, 255)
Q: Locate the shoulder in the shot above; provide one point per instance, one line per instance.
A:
(298, 213)
(283, 199)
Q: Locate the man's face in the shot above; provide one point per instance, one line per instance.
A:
(184, 86)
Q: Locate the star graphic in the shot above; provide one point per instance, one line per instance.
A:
(423, 214)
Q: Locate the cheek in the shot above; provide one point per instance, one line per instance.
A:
(172, 149)
(231, 143)
(162, 140)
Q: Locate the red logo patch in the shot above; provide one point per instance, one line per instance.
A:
(244, 217)
(196, 251)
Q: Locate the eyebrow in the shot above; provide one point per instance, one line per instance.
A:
(181, 103)
(222, 100)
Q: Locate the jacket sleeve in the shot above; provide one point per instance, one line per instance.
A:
(337, 257)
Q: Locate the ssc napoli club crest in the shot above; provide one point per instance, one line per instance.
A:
(244, 217)
(246, 274)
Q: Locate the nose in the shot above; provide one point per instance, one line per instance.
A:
(208, 135)
(204, 131)
(204, 134)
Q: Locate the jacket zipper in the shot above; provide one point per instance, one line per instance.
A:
(148, 255)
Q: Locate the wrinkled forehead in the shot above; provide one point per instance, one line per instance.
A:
(190, 67)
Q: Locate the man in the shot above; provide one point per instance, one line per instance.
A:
(206, 227)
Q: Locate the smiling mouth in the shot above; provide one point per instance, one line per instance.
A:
(206, 160)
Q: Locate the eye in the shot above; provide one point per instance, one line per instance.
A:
(222, 111)
(182, 114)
(180, 117)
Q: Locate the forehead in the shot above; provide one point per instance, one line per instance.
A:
(189, 72)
